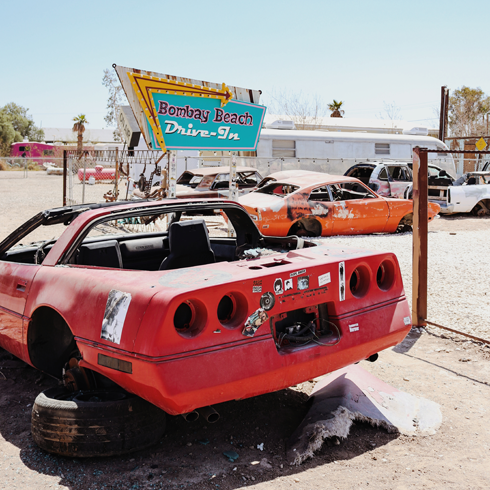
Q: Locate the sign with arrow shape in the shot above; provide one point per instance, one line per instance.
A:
(178, 114)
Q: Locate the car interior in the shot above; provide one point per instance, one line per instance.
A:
(161, 241)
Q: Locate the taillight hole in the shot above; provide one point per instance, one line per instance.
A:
(385, 276)
(190, 318)
(226, 309)
(232, 310)
(359, 281)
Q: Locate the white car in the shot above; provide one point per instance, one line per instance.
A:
(468, 194)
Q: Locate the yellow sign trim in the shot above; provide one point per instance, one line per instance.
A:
(145, 85)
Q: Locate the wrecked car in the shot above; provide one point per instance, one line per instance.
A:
(318, 204)
(468, 194)
(153, 300)
(206, 182)
(387, 179)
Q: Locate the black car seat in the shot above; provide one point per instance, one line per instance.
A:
(189, 245)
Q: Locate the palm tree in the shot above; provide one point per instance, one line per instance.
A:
(79, 127)
(335, 107)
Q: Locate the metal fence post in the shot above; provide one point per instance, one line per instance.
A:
(64, 176)
(116, 176)
(420, 237)
(84, 179)
(172, 174)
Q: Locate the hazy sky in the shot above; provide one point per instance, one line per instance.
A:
(365, 53)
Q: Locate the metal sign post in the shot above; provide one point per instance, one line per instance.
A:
(233, 190)
(172, 174)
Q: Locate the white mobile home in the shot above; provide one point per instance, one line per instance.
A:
(343, 149)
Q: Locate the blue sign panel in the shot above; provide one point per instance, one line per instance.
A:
(195, 123)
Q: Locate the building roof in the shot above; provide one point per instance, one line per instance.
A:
(352, 124)
(66, 135)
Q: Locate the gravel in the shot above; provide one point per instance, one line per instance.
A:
(458, 277)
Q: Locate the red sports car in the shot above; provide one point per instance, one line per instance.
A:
(156, 299)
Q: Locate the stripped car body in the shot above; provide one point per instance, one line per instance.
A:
(315, 204)
(468, 194)
(387, 179)
(209, 182)
(184, 320)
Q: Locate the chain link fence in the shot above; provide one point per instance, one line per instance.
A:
(97, 176)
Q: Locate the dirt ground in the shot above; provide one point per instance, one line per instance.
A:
(453, 372)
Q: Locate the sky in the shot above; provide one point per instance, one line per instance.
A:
(364, 53)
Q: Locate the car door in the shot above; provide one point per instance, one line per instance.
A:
(15, 283)
(399, 180)
(357, 210)
(321, 208)
(380, 183)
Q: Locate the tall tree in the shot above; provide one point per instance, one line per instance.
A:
(335, 108)
(7, 135)
(306, 112)
(116, 99)
(468, 108)
(79, 128)
(15, 125)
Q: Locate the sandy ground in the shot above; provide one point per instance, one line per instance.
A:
(447, 369)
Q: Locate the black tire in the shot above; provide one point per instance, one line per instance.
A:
(94, 423)
(405, 225)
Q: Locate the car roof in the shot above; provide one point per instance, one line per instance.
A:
(315, 178)
(218, 170)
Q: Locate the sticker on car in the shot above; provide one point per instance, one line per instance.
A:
(114, 316)
(341, 281)
(254, 321)
(324, 279)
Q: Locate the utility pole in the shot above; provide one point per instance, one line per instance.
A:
(443, 112)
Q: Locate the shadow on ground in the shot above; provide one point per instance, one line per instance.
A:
(190, 455)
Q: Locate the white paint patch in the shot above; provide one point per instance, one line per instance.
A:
(319, 211)
(354, 327)
(343, 213)
(277, 206)
(341, 281)
(115, 315)
(324, 279)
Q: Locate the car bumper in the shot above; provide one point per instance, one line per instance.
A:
(185, 381)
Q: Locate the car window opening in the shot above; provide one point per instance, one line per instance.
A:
(160, 241)
(278, 189)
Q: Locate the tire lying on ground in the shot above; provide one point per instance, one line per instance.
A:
(94, 423)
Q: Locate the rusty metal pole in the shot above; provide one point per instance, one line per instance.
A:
(65, 162)
(442, 116)
(446, 115)
(116, 175)
(420, 237)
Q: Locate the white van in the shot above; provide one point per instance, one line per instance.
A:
(340, 150)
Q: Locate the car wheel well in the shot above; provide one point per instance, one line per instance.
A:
(310, 227)
(405, 224)
(482, 208)
(50, 342)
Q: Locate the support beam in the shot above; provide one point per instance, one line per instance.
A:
(420, 237)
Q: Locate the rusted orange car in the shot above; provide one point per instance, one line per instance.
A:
(318, 204)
